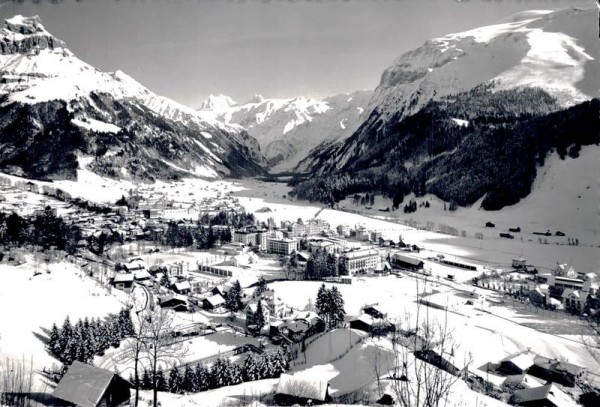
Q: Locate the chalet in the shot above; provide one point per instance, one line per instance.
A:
(294, 389)
(142, 275)
(89, 386)
(557, 371)
(182, 287)
(516, 364)
(574, 300)
(175, 302)
(213, 303)
(406, 262)
(537, 296)
(134, 265)
(548, 395)
(123, 281)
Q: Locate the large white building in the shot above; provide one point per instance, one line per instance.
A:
(361, 261)
(282, 246)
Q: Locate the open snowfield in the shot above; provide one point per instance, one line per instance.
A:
(30, 305)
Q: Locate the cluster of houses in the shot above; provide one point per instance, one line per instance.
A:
(566, 288)
(533, 380)
(157, 205)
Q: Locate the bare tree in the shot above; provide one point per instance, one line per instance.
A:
(134, 347)
(159, 343)
(423, 348)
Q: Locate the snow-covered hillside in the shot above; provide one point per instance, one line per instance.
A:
(287, 129)
(38, 69)
(558, 51)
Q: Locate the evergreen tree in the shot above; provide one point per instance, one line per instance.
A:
(189, 380)
(161, 382)
(233, 298)
(125, 323)
(54, 341)
(201, 378)
(342, 269)
(260, 288)
(279, 362)
(259, 316)
(251, 368)
(234, 373)
(146, 380)
(220, 373)
(65, 334)
(323, 305)
(338, 314)
(175, 381)
(114, 333)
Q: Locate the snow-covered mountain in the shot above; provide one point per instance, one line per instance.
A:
(55, 108)
(471, 114)
(557, 51)
(287, 129)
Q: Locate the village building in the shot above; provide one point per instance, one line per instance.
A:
(360, 261)
(548, 395)
(123, 282)
(516, 364)
(213, 303)
(282, 246)
(89, 386)
(175, 302)
(403, 261)
(182, 287)
(343, 230)
(558, 371)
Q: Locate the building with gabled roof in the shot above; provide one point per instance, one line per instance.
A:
(517, 363)
(548, 395)
(89, 386)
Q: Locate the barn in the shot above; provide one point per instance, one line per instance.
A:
(406, 262)
(89, 386)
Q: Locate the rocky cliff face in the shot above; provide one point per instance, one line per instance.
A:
(58, 113)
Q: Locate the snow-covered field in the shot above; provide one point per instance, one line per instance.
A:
(30, 305)
(397, 297)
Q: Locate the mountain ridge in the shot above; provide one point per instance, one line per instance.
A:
(43, 83)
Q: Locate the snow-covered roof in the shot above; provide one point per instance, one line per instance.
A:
(302, 387)
(523, 360)
(123, 278)
(83, 384)
(216, 300)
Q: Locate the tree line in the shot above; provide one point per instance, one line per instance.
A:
(509, 135)
(45, 230)
(89, 337)
(222, 373)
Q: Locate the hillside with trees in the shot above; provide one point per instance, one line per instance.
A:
(460, 148)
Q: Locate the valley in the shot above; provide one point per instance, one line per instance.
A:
(434, 241)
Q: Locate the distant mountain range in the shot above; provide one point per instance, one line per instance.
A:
(471, 114)
(58, 113)
(287, 129)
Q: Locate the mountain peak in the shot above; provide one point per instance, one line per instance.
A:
(25, 25)
(21, 34)
(257, 98)
(217, 102)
